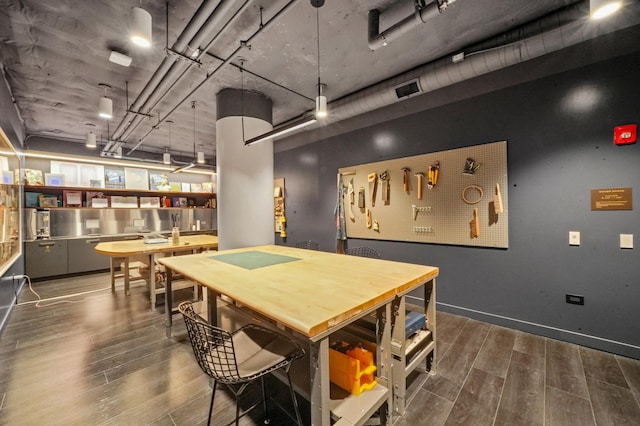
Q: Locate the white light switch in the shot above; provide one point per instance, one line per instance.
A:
(574, 238)
(626, 241)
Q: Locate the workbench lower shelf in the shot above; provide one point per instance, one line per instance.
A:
(356, 410)
(346, 409)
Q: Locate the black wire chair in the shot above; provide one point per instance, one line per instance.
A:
(309, 245)
(362, 252)
(240, 357)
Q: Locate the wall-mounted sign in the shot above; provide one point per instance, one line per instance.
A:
(611, 199)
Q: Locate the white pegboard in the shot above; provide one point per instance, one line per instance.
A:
(441, 216)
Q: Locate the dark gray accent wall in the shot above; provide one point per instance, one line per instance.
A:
(559, 131)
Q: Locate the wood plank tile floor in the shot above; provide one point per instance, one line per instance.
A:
(103, 359)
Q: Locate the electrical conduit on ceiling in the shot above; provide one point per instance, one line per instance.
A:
(172, 78)
(169, 68)
(210, 75)
(558, 30)
(197, 41)
(422, 13)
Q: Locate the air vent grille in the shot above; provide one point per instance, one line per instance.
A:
(407, 89)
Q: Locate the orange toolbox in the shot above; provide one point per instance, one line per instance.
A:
(351, 367)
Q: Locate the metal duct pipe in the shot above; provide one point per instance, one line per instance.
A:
(553, 32)
(227, 61)
(202, 35)
(179, 68)
(421, 15)
(195, 24)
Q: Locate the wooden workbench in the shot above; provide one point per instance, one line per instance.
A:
(314, 294)
(122, 251)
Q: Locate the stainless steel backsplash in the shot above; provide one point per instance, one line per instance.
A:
(70, 222)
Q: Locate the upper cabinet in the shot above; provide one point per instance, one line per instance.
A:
(10, 218)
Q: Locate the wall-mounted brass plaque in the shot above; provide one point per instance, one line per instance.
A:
(611, 199)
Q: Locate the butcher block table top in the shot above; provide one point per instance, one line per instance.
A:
(309, 291)
(136, 247)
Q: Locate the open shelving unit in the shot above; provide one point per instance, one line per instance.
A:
(408, 352)
(193, 199)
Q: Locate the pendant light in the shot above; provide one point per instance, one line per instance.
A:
(321, 103)
(166, 157)
(141, 27)
(321, 100)
(91, 138)
(200, 155)
(602, 8)
(192, 163)
(105, 108)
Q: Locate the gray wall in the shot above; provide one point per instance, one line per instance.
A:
(559, 131)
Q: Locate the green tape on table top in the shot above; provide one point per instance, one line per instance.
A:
(253, 259)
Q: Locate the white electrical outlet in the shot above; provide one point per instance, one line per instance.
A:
(574, 238)
(626, 241)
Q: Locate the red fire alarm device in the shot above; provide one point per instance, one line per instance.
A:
(624, 135)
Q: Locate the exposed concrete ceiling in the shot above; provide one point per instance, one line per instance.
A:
(55, 55)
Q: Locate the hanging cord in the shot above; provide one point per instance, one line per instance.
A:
(167, 32)
(38, 303)
(318, 44)
(193, 107)
(242, 92)
(170, 123)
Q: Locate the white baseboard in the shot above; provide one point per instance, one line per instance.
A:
(608, 345)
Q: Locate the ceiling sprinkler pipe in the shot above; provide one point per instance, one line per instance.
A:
(195, 24)
(421, 15)
(178, 69)
(558, 30)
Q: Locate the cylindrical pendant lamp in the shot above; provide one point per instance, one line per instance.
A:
(105, 108)
(91, 140)
(141, 27)
(321, 106)
(200, 157)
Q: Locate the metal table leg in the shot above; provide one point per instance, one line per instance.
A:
(212, 306)
(112, 269)
(319, 375)
(168, 304)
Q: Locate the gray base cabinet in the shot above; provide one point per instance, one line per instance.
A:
(83, 257)
(48, 258)
(45, 258)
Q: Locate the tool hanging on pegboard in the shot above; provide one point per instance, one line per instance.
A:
(405, 179)
(432, 175)
(420, 176)
(372, 178)
(384, 183)
(350, 196)
(475, 224)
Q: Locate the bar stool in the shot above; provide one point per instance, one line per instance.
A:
(124, 263)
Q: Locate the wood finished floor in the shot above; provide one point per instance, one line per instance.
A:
(104, 360)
